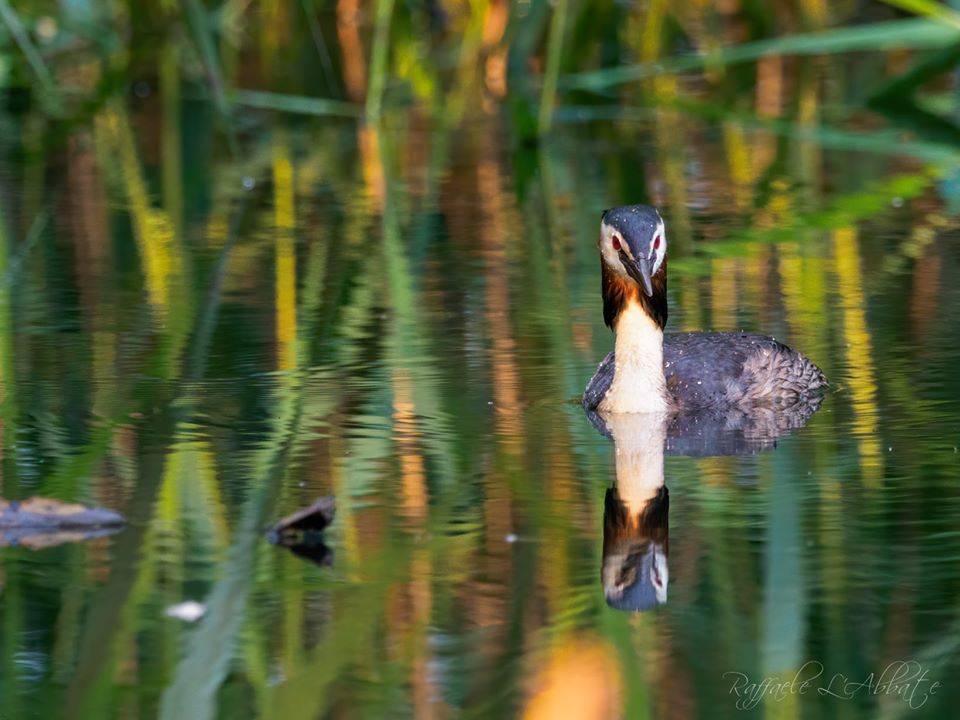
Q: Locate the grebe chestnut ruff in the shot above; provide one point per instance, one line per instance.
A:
(648, 372)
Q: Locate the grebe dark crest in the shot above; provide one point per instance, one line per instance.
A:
(651, 373)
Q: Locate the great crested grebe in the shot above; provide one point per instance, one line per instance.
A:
(649, 372)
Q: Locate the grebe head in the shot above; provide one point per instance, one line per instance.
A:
(634, 571)
(633, 244)
(633, 259)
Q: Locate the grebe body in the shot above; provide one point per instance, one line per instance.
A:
(652, 372)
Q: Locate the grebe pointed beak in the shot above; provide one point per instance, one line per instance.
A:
(639, 270)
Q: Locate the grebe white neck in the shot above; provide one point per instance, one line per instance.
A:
(638, 383)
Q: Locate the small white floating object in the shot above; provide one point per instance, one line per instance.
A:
(511, 538)
(188, 611)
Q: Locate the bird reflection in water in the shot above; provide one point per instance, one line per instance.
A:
(635, 527)
(635, 571)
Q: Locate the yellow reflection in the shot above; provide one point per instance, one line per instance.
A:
(166, 540)
(369, 141)
(351, 48)
(412, 469)
(723, 293)
(425, 694)
(497, 309)
(495, 65)
(769, 98)
(804, 295)
(207, 488)
(740, 163)
(286, 261)
(651, 38)
(814, 12)
(716, 471)
(859, 353)
(153, 231)
(689, 302)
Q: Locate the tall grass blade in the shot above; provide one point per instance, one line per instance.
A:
(912, 33)
(548, 96)
(316, 32)
(928, 8)
(296, 104)
(378, 60)
(11, 19)
(199, 23)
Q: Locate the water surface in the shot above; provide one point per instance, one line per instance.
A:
(404, 318)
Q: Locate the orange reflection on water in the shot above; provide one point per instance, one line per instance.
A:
(580, 678)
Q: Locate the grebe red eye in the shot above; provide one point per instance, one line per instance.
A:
(615, 242)
(656, 243)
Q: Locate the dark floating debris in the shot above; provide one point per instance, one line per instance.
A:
(312, 549)
(314, 517)
(43, 522)
(302, 532)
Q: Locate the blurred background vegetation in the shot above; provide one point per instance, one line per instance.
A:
(254, 252)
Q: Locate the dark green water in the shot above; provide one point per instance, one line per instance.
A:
(404, 319)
